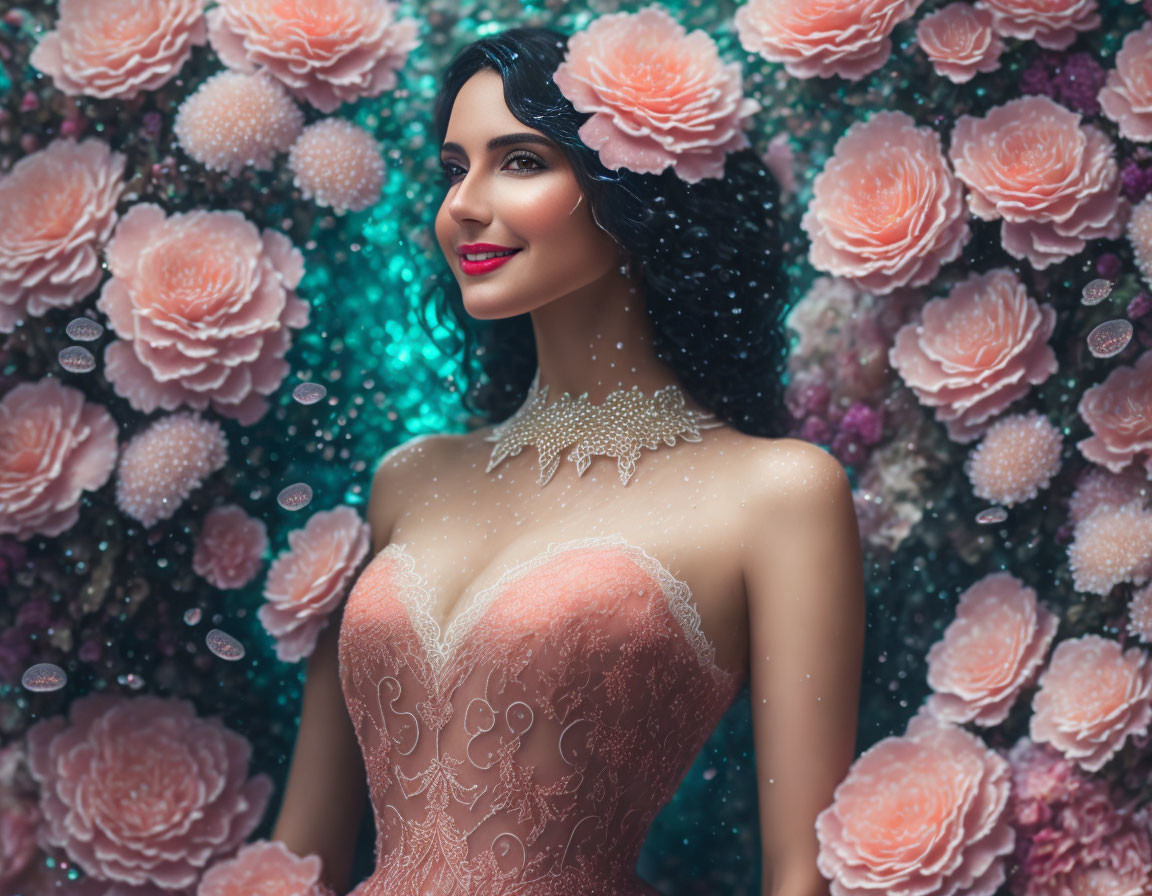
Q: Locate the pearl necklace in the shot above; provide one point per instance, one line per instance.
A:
(619, 427)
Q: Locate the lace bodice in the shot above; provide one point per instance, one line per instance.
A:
(527, 748)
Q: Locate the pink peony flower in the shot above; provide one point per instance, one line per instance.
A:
(781, 161)
(1097, 489)
(976, 351)
(325, 52)
(54, 445)
(1091, 699)
(822, 38)
(59, 207)
(187, 779)
(19, 814)
(660, 97)
(918, 814)
(1111, 546)
(1053, 24)
(1140, 237)
(308, 581)
(267, 868)
(229, 547)
(959, 41)
(886, 211)
(1053, 181)
(1127, 97)
(1017, 457)
(1119, 413)
(990, 652)
(337, 164)
(165, 463)
(114, 49)
(235, 119)
(204, 304)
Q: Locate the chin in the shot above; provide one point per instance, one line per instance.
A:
(497, 308)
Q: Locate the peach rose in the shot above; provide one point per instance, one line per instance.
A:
(229, 547)
(990, 652)
(204, 304)
(191, 798)
(1053, 181)
(1127, 97)
(266, 868)
(54, 446)
(886, 211)
(1092, 698)
(659, 96)
(923, 813)
(975, 352)
(1119, 413)
(308, 581)
(59, 208)
(1051, 23)
(325, 52)
(959, 41)
(114, 49)
(822, 38)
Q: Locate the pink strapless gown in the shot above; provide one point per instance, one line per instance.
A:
(527, 749)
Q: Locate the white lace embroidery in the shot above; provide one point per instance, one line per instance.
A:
(417, 600)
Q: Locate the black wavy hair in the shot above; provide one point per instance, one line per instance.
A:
(712, 264)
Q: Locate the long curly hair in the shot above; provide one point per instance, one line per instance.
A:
(712, 262)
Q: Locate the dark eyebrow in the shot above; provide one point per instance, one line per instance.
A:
(502, 140)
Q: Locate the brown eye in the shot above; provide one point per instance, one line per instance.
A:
(527, 157)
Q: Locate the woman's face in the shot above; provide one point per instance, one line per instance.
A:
(520, 195)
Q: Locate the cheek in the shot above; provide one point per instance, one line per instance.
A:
(544, 216)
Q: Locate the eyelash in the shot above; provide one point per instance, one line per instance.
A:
(518, 155)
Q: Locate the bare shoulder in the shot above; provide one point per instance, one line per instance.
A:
(785, 475)
(400, 473)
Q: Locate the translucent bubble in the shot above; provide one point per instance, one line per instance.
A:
(1096, 292)
(309, 393)
(132, 680)
(84, 329)
(990, 515)
(44, 677)
(224, 645)
(77, 359)
(295, 496)
(191, 617)
(1110, 338)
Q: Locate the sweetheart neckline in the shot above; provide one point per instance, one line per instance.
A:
(440, 644)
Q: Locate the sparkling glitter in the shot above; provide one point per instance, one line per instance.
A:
(295, 496)
(84, 329)
(224, 645)
(1096, 292)
(77, 359)
(131, 680)
(991, 515)
(309, 393)
(1110, 338)
(44, 677)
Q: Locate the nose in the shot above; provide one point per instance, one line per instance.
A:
(469, 200)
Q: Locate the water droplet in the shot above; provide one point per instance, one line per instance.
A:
(44, 677)
(309, 393)
(84, 329)
(191, 617)
(1096, 292)
(991, 515)
(295, 496)
(224, 645)
(77, 359)
(1110, 338)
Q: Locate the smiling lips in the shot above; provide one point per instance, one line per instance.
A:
(483, 258)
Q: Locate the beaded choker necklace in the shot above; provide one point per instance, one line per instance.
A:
(618, 427)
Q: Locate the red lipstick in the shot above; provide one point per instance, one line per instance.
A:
(487, 264)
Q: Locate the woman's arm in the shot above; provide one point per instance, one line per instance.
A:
(803, 571)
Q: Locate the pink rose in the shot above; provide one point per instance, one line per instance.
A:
(822, 38)
(1127, 97)
(976, 351)
(990, 652)
(1053, 181)
(191, 798)
(59, 208)
(923, 813)
(959, 41)
(229, 547)
(1092, 698)
(659, 96)
(19, 814)
(326, 52)
(308, 581)
(886, 211)
(266, 867)
(118, 48)
(204, 304)
(1119, 413)
(1051, 23)
(54, 446)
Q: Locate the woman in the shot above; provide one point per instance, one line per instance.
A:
(544, 641)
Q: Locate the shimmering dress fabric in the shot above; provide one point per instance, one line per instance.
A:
(527, 749)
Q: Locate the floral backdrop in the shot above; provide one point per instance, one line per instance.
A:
(217, 275)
